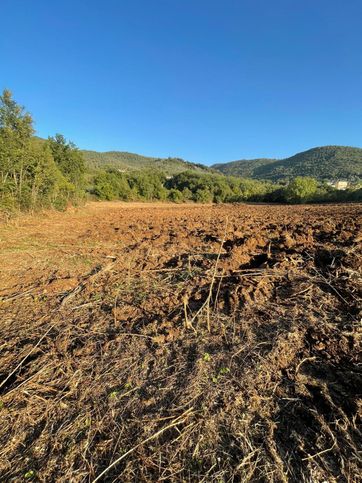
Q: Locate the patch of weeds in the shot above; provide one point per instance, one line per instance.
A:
(79, 261)
(185, 275)
(134, 289)
(223, 371)
(220, 374)
(38, 298)
(137, 290)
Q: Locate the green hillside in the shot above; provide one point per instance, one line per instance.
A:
(129, 161)
(324, 163)
(244, 168)
(121, 160)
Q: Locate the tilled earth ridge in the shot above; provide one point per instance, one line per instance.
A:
(182, 343)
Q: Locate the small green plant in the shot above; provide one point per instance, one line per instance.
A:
(113, 394)
(88, 422)
(29, 475)
(206, 357)
(221, 372)
(116, 392)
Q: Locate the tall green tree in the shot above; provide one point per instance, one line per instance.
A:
(301, 189)
(14, 120)
(16, 130)
(29, 176)
(69, 159)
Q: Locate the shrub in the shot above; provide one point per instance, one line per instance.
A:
(301, 189)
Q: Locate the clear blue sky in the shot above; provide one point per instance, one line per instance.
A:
(206, 80)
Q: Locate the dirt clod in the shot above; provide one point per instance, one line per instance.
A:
(182, 343)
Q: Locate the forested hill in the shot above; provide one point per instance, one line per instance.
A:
(323, 163)
(129, 161)
(244, 168)
(125, 161)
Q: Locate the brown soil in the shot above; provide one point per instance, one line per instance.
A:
(181, 343)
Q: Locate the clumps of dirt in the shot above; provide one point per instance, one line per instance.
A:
(225, 351)
(62, 285)
(245, 253)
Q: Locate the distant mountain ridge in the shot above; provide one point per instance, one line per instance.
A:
(243, 168)
(323, 163)
(130, 161)
(125, 161)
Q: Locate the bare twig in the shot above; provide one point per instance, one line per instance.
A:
(179, 420)
(206, 304)
(302, 362)
(310, 457)
(28, 380)
(24, 359)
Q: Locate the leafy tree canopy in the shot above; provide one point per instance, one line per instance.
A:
(301, 189)
(68, 158)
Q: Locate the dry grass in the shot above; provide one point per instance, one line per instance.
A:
(184, 348)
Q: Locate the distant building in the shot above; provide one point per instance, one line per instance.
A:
(340, 185)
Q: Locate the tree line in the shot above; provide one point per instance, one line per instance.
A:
(40, 174)
(34, 173)
(150, 185)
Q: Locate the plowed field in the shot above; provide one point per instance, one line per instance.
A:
(181, 343)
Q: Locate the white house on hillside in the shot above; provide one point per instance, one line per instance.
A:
(339, 185)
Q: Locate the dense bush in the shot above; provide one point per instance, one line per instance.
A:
(148, 184)
(112, 185)
(301, 190)
(176, 196)
(217, 188)
(137, 185)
